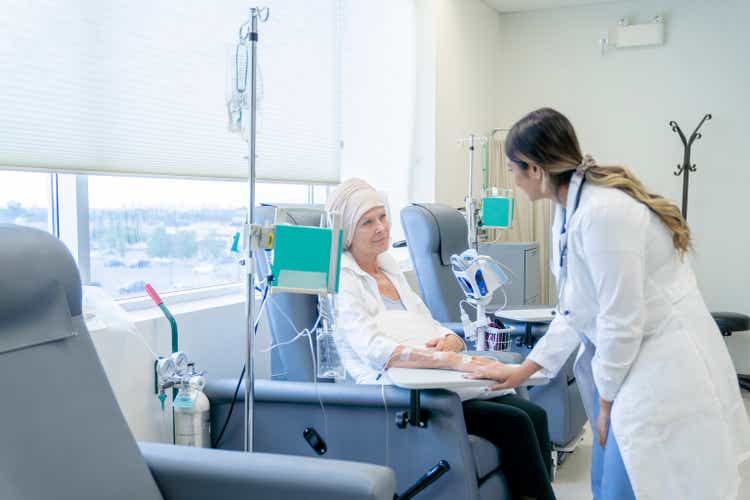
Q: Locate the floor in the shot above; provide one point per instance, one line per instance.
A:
(572, 480)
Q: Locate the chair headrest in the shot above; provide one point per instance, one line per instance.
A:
(452, 229)
(295, 214)
(32, 262)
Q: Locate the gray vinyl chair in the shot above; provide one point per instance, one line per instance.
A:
(433, 233)
(63, 435)
(354, 422)
(285, 363)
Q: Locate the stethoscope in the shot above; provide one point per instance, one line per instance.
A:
(575, 190)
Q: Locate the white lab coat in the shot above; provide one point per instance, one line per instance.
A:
(677, 415)
(367, 334)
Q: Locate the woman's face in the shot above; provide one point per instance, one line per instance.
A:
(372, 234)
(528, 179)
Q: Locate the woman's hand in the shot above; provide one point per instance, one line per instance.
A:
(509, 376)
(602, 421)
(446, 343)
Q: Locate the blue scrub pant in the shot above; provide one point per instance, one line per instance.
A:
(609, 479)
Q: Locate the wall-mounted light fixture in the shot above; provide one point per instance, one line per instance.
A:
(626, 35)
(639, 35)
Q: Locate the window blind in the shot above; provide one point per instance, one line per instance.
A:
(139, 87)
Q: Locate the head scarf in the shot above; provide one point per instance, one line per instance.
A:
(352, 199)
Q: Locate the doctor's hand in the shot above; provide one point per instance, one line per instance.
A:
(508, 376)
(602, 421)
(447, 343)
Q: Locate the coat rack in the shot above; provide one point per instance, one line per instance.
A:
(686, 166)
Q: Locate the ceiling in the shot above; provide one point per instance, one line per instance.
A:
(505, 6)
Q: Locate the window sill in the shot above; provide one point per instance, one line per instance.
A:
(188, 307)
(175, 299)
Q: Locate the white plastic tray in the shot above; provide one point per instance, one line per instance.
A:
(538, 315)
(425, 378)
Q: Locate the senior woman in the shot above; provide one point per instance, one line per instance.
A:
(381, 322)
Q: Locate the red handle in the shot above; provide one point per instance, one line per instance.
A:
(152, 293)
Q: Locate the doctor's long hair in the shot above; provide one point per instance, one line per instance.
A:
(546, 138)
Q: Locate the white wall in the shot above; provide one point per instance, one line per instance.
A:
(211, 332)
(620, 104)
(467, 45)
(422, 172)
(421, 80)
(379, 89)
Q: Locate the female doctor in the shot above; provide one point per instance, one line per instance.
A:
(656, 379)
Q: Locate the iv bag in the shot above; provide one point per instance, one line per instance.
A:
(329, 361)
(237, 87)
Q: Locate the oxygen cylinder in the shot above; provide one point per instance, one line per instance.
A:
(192, 424)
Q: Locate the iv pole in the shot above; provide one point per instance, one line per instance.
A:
(470, 212)
(470, 202)
(256, 14)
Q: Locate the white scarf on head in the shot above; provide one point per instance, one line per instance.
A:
(352, 199)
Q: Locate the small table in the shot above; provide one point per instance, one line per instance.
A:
(529, 319)
(417, 379)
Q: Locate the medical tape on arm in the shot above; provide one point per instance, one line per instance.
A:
(405, 353)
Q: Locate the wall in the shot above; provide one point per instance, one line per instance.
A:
(210, 331)
(379, 92)
(467, 46)
(621, 103)
(428, 64)
(422, 172)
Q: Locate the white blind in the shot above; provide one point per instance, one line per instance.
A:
(139, 86)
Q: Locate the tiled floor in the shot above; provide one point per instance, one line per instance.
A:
(572, 481)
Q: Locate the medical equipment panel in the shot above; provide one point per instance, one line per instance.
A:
(523, 261)
(303, 257)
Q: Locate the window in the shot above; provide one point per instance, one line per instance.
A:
(25, 199)
(175, 234)
(273, 192)
(320, 193)
(117, 102)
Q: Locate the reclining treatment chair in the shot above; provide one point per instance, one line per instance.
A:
(433, 233)
(355, 424)
(63, 435)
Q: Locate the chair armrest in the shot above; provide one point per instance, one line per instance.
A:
(360, 396)
(187, 473)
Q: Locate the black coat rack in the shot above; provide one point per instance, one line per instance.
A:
(727, 322)
(686, 166)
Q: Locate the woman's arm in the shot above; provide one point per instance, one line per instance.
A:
(508, 376)
(549, 355)
(448, 342)
(417, 357)
(555, 347)
(356, 325)
(614, 249)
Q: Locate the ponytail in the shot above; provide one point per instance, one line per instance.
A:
(623, 179)
(546, 138)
